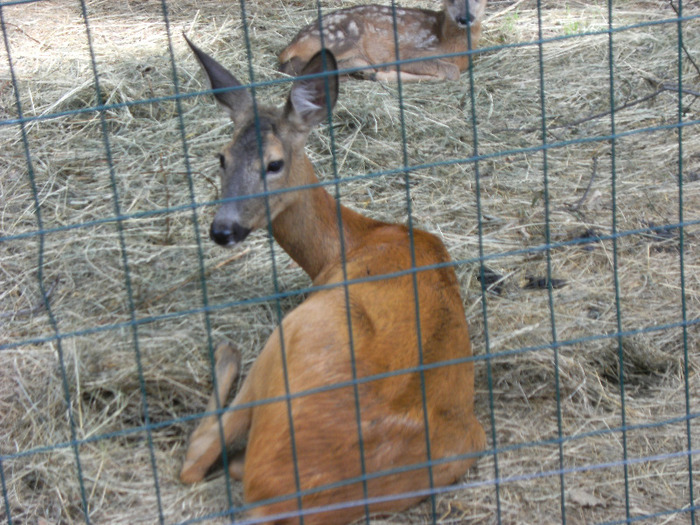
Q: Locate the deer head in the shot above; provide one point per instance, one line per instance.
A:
(465, 12)
(266, 154)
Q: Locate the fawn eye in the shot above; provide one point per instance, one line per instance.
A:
(222, 160)
(275, 166)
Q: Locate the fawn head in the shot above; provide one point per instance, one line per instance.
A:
(465, 12)
(267, 150)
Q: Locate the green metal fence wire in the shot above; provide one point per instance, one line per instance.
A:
(42, 288)
(127, 276)
(200, 255)
(278, 305)
(548, 237)
(497, 480)
(681, 241)
(618, 310)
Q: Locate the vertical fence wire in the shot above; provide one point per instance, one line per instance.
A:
(125, 263)
(149, 427)
(271, 242)
(5, 496)
(219, 403)
(548, 255)
(616, 264)
(483, 284)
(278, 306)
(681, 262)
(412, 249)
(346, 288)
(40, 277)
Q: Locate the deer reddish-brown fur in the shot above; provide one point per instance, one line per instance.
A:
(323, 342)
(363, 37)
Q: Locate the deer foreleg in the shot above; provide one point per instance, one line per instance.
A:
(422, 70)
(205, 441)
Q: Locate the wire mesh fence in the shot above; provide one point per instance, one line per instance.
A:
(562, 173)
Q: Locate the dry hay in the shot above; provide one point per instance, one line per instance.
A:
(91, 305)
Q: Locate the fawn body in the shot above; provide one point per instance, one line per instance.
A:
(321, 341)
(363, 37)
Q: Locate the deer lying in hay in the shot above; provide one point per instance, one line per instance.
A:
(365, 420)
(363, 37)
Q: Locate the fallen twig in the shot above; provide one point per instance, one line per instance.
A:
(685, 91)
(690, 57)
(577, 205)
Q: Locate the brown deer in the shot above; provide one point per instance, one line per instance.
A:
(363, 37)
(330, 354)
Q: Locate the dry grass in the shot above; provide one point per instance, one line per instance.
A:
(83, 262)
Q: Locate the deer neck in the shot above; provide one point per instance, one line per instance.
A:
(308, 228)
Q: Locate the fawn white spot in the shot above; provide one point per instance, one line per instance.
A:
(425, 38)
(335, 19)
(352, 27)
(330, 33)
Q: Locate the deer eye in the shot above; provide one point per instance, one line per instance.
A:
(275, 166)
(222, 160)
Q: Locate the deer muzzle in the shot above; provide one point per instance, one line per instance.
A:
(228, 234)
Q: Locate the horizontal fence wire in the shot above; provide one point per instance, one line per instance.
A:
(62, 336)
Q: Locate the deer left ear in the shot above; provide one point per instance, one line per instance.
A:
(236, 102)
(311, 98)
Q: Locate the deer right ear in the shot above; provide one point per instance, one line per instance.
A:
(311, 98)
(236, 102)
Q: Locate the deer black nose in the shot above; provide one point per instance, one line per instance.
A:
(462, 20)
(229, 234)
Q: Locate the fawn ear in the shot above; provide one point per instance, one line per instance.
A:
(237, 101)
(312, 98)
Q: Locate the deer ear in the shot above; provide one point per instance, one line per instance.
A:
(236, 102)
(311, 98)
